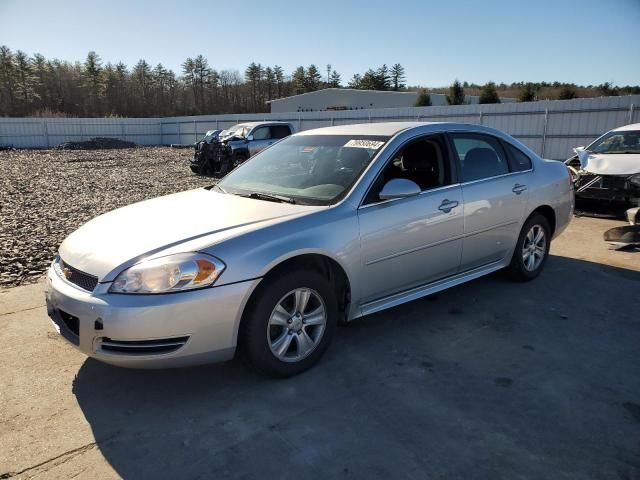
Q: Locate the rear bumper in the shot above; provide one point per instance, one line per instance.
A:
(149, 331)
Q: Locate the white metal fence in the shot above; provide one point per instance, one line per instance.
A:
(551, 128)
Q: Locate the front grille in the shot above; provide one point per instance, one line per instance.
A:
(603, 182)
(75, 276)
(143, 347)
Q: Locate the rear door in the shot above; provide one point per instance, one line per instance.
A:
(495, 195)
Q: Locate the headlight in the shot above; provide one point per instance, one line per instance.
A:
(174, 273)
(635, 180)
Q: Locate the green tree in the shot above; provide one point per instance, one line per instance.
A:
(456, 94)
(313, 79)
(278, 73)
(489, 94)
(383, 78)
(7, 81)
(299, 79)
(335, 80)
(527, 93)
(25, 81)
(397, 77)
(94, 82)
(356, 81)
(424, 99)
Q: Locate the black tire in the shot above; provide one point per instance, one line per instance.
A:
(517, 269)
(253, 343)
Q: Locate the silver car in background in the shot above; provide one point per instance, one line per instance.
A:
(323, 227)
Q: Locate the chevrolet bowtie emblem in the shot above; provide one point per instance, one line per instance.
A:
(67, 273)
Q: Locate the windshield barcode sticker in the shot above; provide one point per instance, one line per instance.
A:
(372, 144)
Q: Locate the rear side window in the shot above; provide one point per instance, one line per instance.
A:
(280, 131)
(480, 156)
(518, 160)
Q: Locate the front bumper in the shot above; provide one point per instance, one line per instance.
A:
(149, 331)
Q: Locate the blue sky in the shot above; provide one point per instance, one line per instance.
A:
(586, 42)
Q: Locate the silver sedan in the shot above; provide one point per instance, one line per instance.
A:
(323, 227)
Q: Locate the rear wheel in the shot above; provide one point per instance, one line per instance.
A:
(289, 324)
(532, 249)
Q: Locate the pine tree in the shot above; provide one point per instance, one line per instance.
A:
(456, 94)
(397, 77)
(335, 80)
(356, 81)
(312, 79)
(7, 81)
(489, 94)
(299, 79)
(383, 79)
(278, 73)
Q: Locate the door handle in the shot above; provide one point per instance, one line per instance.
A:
(518, 189)
(447, 205)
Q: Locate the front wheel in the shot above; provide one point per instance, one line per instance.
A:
(289, 324)
(532, 249)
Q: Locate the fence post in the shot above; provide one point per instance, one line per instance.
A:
(480, 117)
(299, 121)
(195, 132)
(123, 131)
(46, 133)
(631, 113)
(161, 133)
(369, 117)
(332, 121)
(544, 131)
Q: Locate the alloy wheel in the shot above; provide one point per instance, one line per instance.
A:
(534, 248)
(296, 324)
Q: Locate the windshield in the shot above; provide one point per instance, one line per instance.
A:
(211, 135)
(309, 169)
(617, 142)
(237, 131)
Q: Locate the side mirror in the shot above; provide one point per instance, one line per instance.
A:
(399, 188)
(250, 138)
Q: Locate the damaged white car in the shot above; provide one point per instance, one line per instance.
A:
(608, 170)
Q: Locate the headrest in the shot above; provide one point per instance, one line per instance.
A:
(420, 157)
(477, 161)
(353, 158)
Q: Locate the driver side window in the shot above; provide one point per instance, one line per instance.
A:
(261, 133)
(424, 161)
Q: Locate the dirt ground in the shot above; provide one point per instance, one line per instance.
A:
(488, 380)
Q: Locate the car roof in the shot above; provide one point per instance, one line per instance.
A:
(633, 126)
(256, 124)
(382, 128)
(390, 129)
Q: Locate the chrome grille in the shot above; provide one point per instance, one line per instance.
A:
(77, 277)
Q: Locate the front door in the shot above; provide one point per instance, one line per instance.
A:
(416, 240)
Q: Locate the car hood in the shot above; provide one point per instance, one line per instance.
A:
(609, 164)
(120, 238)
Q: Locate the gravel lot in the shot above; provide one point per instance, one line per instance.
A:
(45, 195)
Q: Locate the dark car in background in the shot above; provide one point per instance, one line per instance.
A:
(220, 151)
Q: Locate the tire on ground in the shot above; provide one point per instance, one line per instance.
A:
(253, 346)
(517, 269)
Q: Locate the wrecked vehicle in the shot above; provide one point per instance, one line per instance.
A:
(220, 151)
(608, 170)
